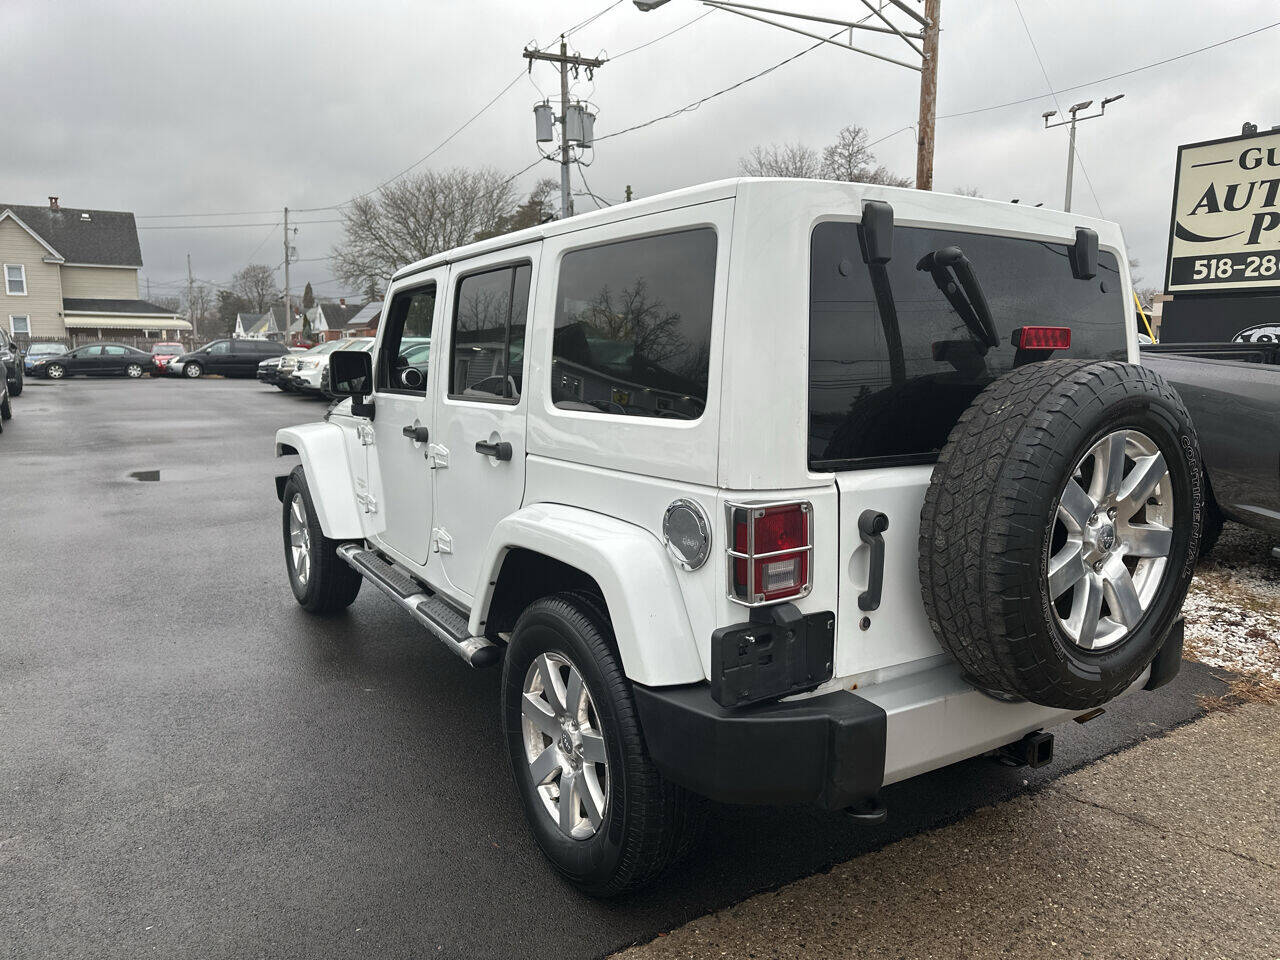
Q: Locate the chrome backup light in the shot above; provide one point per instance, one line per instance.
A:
(687, 533)
(770, 552)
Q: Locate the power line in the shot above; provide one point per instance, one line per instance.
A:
(1049, 83)
(664, 36)
(1114, 76)
(224, 226)
(583, 177)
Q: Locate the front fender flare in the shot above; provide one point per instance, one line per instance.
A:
(322, 447)
(634, 573)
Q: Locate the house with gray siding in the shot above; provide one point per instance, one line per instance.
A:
(72, 275)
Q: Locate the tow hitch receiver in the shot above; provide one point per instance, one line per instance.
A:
(1033, 750)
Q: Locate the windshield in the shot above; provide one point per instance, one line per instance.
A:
(166, 348)
(888, 389)
(327, 347)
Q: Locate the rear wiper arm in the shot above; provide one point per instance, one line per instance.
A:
(971, 304)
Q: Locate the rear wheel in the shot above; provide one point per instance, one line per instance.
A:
(15, 389)
(598, 807)
(6, 411)
(322, 581)
(193, 370)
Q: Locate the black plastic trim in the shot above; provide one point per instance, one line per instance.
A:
(777, 653)
(827, 750)
(1169, 660)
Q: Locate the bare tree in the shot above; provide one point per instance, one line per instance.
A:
(967, 192)
(256, 284)
(781, 160)
(849, 158)
(417, 217)
(199, 306)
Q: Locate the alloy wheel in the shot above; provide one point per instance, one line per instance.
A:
(54, 372)
(564, 746)
(1112, 536)
(134, 371)
(299, 540)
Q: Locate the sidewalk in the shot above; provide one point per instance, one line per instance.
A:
(1169, 849)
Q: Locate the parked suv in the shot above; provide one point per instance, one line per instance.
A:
(230, 358)
(767, 491)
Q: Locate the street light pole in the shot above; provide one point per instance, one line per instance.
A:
(1074, 110)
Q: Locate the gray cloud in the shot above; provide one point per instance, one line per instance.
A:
(237, 106)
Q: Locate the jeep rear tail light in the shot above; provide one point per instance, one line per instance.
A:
(770, 556)
(1042, 338)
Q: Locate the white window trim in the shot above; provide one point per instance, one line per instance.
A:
(19, 316)
(23, 268)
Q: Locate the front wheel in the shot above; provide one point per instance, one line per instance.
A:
(322, 581)
(55, 371)
(133, 371)
(6, 411)
(16, 389)
(193, 370)
(604, 816)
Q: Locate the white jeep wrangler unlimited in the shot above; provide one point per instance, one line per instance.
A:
(766, 491)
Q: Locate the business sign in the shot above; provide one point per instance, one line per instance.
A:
(1224, 234)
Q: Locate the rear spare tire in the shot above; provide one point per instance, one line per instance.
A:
(1060, 530)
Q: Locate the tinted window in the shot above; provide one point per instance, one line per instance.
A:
(114, 351)
(488, 334)
(633, 326)
(405, 353)
(870, 399)
(221, 346)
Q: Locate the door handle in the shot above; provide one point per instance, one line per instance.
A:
(871, 524)
(416, 434)
(499, 451)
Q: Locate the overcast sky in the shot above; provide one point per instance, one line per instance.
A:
(242, 108)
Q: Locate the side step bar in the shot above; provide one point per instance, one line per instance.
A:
(445, 622)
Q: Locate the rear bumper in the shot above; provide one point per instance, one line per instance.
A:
(838, 749)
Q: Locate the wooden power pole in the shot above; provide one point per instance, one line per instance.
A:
(928, 96)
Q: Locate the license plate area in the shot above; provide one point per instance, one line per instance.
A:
(778, 653)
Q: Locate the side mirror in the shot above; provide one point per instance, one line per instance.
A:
(1084, 254)
(875, 232)
(351, 375)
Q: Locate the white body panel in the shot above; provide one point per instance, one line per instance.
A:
(590, 489)
(322, 448)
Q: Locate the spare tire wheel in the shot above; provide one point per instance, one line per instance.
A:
(1060, 530)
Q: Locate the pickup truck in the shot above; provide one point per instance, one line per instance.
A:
(1232, 391)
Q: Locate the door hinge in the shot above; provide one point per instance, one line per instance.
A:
(365, 432)
(437, 456)
(365, 498)
(441, 542)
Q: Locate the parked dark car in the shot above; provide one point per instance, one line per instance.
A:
(40, 351)
(95, 360)
(6, 408)
(11, 365)
(228, 358)
(1232, 391)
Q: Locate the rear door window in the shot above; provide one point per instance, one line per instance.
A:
(633, 326)
(873, 402)
(487, 352)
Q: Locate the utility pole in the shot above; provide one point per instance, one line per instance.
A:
(928, 95)
(288, 313)
(565, 60)
(191, 310)
(1074, 110)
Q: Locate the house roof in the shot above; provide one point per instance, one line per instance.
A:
(106, 238)
(337, 315)
(367, 315)
(99, 305)
(247, 319)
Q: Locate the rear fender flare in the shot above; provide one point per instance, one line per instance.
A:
(634, 573)
(323, 451)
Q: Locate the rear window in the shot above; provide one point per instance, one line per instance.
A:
(870, 406)
(633, 326)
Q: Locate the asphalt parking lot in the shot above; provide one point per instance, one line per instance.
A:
(193, 767)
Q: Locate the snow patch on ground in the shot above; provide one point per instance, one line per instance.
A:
(1233, 607)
